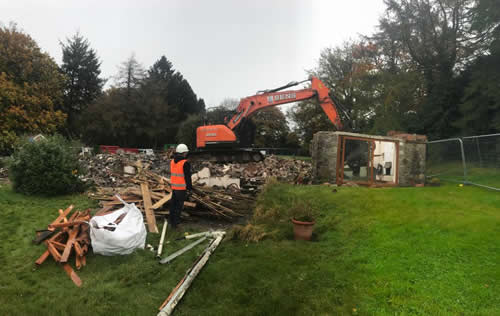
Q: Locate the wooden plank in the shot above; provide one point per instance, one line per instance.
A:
(78, 249)
(58, 245)
(189, 204)
(43, 257)
(78, 262)
(72, 274)
(69, 244)
(53, 251)
(62, 215)
(150, 216)
(67, 224)
(160, 203)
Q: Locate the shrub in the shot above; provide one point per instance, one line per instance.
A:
(48, 167)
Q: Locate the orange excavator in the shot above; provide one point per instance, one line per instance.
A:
(220, 143)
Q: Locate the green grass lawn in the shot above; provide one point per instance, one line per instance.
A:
(454, 172)
(390, 251)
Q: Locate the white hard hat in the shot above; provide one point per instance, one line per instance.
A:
(181, 148)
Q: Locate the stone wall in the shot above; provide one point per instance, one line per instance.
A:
(324, 149)
(411, 162)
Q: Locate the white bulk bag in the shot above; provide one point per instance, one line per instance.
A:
(127, 235)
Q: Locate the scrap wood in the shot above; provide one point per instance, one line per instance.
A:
(150, 187)
(72, 236)
(148, 208)
(179, 291)
(160, 203)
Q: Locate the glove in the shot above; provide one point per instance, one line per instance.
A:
(188, 194)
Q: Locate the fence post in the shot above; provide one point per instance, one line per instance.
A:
(463, 159)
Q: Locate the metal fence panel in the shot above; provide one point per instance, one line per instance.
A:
(471, 160)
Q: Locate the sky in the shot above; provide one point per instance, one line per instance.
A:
(224, 48)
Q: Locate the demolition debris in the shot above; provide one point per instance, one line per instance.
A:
(65, 236)
(112, 170)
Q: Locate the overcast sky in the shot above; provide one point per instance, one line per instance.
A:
(223, 48)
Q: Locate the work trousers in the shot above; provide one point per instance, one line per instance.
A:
(176, 205)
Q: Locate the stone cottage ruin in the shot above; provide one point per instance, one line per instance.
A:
(394, 160)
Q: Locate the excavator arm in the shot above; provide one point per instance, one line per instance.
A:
(223, 141)
(253, 104)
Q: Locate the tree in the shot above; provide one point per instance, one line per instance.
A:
(145, 109)
(186, 133)
(130, 74)
(83, 84)
(480, 107)
(271, 128)
(438, 36)
(31, 89)
(224, 111)
(347, 70)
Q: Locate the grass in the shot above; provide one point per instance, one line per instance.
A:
(453, 171)
(391, 251)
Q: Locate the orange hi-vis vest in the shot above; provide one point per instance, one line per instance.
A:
(177, 181)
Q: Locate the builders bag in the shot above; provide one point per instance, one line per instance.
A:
(119, 232)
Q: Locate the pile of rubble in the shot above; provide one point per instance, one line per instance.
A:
(111, 170)
(4, 173)
(114, 170)
(250, 176)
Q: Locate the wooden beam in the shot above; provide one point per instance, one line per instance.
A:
(160, 203)
(72, 274)
(150, 216)
(43, 257)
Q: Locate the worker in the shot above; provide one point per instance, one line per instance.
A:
(180, 181)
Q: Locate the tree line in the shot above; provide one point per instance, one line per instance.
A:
(430, 67)
(141, 108)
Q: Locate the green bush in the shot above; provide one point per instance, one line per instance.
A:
(48, 167)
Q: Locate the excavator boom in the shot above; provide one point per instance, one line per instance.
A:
(220, 136)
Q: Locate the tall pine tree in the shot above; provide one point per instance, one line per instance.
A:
(83, 84)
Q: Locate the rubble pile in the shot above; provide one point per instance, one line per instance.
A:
(4, 173)
(111, 170)
(115, 170)
(254, 174)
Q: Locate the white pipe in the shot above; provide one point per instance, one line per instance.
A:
(163, 233)
(181, 251)
(169, 308)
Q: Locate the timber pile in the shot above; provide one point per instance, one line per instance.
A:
(65, 236)
(151, 193)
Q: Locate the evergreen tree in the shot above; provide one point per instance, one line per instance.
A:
(83, 85)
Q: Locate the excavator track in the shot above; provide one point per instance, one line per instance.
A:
(239, 155)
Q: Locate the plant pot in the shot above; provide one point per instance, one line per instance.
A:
(302, 230)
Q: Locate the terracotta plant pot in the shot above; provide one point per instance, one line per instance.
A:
(302, 230)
